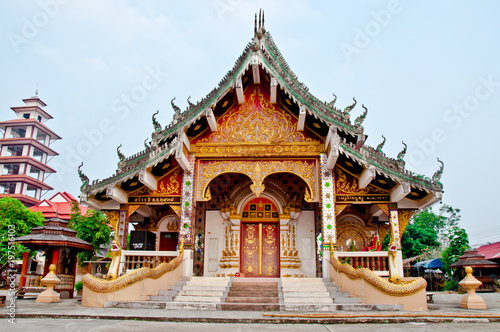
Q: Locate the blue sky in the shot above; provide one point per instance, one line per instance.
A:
(428, 72)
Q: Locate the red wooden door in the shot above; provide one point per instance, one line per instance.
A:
(260, 250)
(168, 241)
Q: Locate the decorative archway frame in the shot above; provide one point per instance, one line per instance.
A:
(245, 200)
(350, 223)
(257, 171)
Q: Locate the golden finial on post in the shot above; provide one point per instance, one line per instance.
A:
(468, 271)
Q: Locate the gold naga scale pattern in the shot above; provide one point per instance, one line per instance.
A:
(257, 172)
(401, 289)
(105, 286)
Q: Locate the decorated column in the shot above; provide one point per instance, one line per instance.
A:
(187, 205)
(327, 205)
(123, 227)
(395, 235)
(186, 236)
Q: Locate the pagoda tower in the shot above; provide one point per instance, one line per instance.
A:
(25, 151)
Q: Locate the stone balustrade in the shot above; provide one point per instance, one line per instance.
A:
(377, 261)
(134, 259)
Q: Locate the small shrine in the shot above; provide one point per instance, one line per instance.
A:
(485, 271)
(54, 243)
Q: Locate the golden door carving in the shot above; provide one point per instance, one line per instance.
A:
(260, 250)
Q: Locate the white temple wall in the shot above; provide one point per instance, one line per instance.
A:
(306, 243)
(214, 236)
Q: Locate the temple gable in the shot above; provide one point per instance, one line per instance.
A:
(257, 127)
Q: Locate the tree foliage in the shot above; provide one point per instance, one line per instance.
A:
(15, 220)
(427, 231)
(458, 244)
(417, 239)
(91, 227)
(448, 217)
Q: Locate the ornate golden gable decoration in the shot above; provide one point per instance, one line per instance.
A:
(169, 184)
(257, 171)
(258, 128)
(256, 121)
(348, 184)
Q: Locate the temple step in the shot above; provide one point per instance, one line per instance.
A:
(253, 294)
(260, 299)
(313, 294)
(200, 294)
(192, 306)
(340, 307)
(250, 307)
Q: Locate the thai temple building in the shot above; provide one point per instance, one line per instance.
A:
(25, 151)
(262, 179)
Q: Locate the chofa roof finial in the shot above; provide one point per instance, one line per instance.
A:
(381, 145)
(437, 176)
(259, 29)
(121, 156)
(255, 26)
(191, 105)
(263, 28)
(402, 154)
(260, 19)
(175, 107)
(83, 177)
(359, 120)
(156, 124)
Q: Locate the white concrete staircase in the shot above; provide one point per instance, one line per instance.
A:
(200, 293)
(315, 294)
(295, 294)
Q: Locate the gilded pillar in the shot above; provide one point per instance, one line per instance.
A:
(394, 215)
(395, 237)
(123, 227)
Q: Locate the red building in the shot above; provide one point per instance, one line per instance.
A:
(58, 206)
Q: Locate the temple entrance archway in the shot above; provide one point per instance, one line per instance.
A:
(264, 235)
